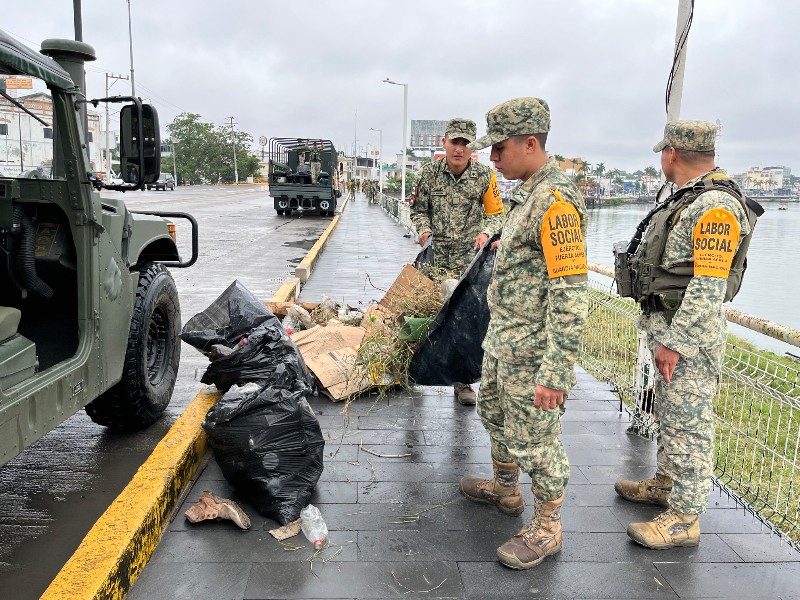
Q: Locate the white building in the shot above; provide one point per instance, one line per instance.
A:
(26, 144)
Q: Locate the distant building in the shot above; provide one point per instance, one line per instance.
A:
(26, 144)
(427, 134)
(766, 179)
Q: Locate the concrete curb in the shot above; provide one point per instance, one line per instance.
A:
(115, 551)
(303, 270)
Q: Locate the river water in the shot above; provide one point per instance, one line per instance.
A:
(772, 281)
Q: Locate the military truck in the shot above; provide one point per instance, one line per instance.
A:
(89, 313)
(291, 181)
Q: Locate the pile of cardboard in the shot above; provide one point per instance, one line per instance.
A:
(330, 350)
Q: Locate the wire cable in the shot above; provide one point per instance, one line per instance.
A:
(682, 39)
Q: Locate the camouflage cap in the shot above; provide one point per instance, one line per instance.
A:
(698, 136)
(461, 128)
(520, 116)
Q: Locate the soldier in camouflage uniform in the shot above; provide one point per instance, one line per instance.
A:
(457, 201)
(538, 300)
(316, 163)
(687, 345)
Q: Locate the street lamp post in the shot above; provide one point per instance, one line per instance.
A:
(380, 157)
(405, 135)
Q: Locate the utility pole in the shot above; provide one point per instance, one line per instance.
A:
(675, 90)
(355, 147)
(174, 168)
(233, 143)
(108, 147)
(130, 41)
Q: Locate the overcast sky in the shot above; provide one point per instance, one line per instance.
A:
(304, 69)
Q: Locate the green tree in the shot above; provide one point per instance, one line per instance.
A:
(394, 181)
(204, 153)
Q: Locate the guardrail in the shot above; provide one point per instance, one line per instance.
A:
(399, 211)
(757, 407)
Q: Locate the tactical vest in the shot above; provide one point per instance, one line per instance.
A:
(639, 273)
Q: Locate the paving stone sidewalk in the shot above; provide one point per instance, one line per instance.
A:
(399, 527)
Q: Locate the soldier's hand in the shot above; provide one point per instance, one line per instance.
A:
(547, 398)
(424, 238)
(480, 241)
(666, 360)
(495, 245)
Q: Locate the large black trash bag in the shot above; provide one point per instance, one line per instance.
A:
(451, 352)
(265, 437)
(269, 446)
(227, 320)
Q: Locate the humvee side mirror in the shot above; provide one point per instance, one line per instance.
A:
(140, 144)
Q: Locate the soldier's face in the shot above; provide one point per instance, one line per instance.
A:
(667, 155)
(511, 158)
(457, 154)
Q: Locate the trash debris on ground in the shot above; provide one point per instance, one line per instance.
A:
(211, 506)
(313, 526)
(265, 437)
(287, 531)
(450, 351)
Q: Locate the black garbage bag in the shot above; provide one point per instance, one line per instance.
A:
(227, 320)
(265, 437)
(425, 257)
(269, 446)
(451, 351)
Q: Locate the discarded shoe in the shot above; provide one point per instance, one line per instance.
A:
(211, 506)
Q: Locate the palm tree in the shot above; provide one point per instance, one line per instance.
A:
(559, 159)
(599, 169)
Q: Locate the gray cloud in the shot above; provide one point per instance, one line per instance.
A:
(305, 68)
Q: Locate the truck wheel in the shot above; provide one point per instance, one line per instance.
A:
(151, 359)
(280, 212)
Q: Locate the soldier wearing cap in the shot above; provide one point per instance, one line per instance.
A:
(703, 222)
(457, 200)
(538, 301)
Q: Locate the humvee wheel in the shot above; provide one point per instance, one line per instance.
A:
(151, 359)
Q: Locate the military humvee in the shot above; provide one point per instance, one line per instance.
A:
(291, 184)
(89, 313)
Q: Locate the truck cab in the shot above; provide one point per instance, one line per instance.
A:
(296, 183)
(89, 312)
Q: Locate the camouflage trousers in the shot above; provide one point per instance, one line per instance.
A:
(685, 415)
(453, 255)
(316, 167)
(520, 432)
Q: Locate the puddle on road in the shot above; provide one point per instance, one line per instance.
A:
(304, 244)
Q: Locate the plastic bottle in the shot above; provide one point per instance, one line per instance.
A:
(313, 526)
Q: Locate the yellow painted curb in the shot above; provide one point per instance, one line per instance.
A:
(118, 546)
(303, 270)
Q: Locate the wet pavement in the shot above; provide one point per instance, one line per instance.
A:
(52, 494)
(399, 527)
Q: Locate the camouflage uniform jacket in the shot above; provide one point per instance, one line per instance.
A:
(535, 319)
(700, 320)
(452, 209)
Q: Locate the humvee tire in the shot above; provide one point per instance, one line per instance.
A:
(151, 360)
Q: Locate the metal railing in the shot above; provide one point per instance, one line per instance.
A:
(757, 407)
(399, 211)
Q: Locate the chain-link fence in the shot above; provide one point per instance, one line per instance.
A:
(757, 408)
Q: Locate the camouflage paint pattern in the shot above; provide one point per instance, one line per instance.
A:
(520, 432)
(698, 333)
(520, 116)
(536, 320)
(697, 136)
(452, 209)
(461, 128)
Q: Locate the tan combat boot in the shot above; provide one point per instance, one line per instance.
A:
(670, 529)
(465, 394)
(649, 491)
(539, 539)
(211, 506)
(502, 491)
